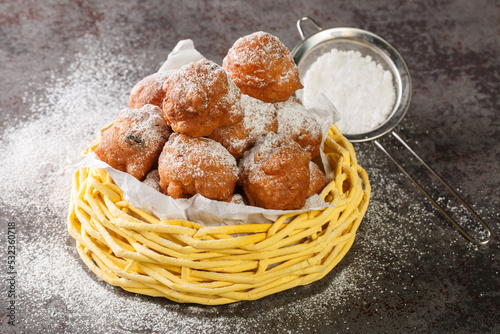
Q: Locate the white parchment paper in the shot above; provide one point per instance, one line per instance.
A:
(198, 208)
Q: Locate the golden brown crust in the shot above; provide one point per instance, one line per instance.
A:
(189, 166)
(317, 180)
(263, 67)
(275, 173)
(149, 91)
(135, 140)
(199, 98)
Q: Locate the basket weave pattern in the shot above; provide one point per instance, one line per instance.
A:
(191, 263)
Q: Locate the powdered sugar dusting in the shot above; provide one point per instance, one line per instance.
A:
(232, 97)
(145, 119)
(259, 119)
(148, 122)
(264, 146)
(361, 90)
(269, 47)
(292, 116)
(205, 79)
(258, 115)
(66, 121)
(193, 155)
(294, 122)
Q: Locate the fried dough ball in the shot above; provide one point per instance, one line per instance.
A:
(153, 180)
(189, 166)
(149, 91)
(262, 67)
(260, 118)
(317, 179)
(199, 98)
(135, 140)
(275, 173)
(295, 123)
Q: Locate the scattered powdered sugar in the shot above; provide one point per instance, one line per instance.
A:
(40, 151)
(361, 90)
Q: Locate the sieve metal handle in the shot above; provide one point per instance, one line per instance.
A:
(472, 212)
(299, 25)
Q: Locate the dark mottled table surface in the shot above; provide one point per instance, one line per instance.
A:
(409, 270)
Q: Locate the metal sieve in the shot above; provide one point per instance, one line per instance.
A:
(369, 44)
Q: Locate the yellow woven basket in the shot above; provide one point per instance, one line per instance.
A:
(191, 263)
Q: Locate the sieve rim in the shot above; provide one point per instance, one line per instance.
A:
(402, 80)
